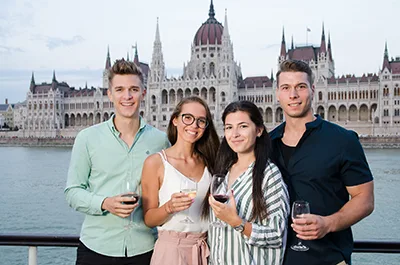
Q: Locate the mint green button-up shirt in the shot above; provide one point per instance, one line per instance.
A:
(100, 161)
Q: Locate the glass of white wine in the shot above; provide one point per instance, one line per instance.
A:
(189, 187)
(299, 208)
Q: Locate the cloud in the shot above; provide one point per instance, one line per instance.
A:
(9, 50)
(54, 42)
(15, 18)
(270, 46)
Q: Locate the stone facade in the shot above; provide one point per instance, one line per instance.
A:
(368, 104)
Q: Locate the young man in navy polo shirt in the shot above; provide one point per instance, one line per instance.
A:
(324, 164)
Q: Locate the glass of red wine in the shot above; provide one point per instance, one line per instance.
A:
(219, 190)
(131, 189)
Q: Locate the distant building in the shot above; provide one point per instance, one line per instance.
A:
(368, 104)
(6, 115)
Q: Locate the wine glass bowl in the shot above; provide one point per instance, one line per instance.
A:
(189, 187)
(219, 190)
(299, 208)
(131, 189)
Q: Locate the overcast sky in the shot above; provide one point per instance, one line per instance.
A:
(71, 36)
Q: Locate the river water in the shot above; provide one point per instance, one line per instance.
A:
(32, 202)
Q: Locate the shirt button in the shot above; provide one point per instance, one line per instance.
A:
(219, 261)
(220, 237)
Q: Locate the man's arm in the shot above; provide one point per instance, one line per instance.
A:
(77, 195)
(361, 204)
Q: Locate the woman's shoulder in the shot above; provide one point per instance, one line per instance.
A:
(153, 160)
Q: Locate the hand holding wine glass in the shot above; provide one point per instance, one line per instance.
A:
(219, 190)
(299, 208)
(131, 190)
(189, 187)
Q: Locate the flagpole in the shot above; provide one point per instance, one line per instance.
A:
(306, 36)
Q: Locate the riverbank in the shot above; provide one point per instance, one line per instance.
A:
(36, 142)
(384, 142)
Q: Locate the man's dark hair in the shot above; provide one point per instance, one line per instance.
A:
(122, 67)
(295, 66)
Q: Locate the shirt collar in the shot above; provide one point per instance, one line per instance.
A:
(111, 125)
(278, 132)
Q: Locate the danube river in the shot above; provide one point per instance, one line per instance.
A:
(32, 202)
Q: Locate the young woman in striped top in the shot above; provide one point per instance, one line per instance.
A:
(258, 207)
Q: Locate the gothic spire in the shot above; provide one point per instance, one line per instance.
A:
(158, 39)
(226, 30)
(136, 58)
(108, 60)
(32, 86)
(54, 76)
(292, 45)
(283, 44)
(323, 44)
(211, 13)
(330, 47)
(386, 63)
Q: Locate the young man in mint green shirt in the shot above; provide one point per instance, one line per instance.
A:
(103, 156)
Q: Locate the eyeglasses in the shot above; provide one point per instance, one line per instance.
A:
(188, 119)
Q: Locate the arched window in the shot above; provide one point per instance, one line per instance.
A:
(153, 100)
(223, 96)
(212, 69)
(319, 95)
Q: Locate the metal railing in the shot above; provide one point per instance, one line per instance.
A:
(34, 241)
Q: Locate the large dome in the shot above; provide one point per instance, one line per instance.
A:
(210, 32)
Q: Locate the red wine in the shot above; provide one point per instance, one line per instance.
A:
(221, 198)
(133, 196)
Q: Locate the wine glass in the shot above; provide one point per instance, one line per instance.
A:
(189, 187)
(299, 208)
(219, 190)
(131, 189)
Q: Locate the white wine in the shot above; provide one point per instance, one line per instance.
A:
(190, 192)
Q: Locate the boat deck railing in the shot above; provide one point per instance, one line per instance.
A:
(35, 241)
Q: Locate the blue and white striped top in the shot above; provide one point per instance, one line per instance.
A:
(266, 244)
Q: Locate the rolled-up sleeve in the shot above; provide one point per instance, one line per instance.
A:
(77, 194)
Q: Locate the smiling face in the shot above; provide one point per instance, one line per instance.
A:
(241, 132)
(295, 94)
(126, 93)
(190, 133)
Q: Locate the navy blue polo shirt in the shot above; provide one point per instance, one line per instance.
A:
(326, 160)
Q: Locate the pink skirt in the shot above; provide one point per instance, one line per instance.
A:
(180, 248)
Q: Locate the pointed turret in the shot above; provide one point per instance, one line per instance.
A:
(32, 85)
(54, 82)
(226, 30)
(108, 60)
(323, 44)
(157, 61)
(272, 75)
(330, 47)
(386, 63)
(211, 13)
(157, 39)
(54, 76)
(283, 45)
(136, 59)
(127, 56)
(292, 45)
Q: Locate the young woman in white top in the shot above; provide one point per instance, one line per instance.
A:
(190, 158)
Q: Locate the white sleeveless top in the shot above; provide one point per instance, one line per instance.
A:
(170, 185)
